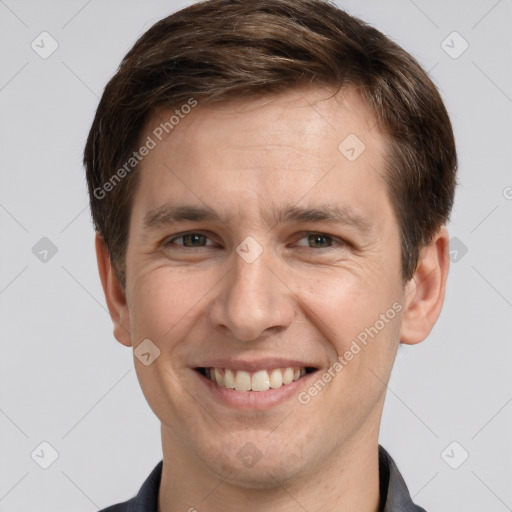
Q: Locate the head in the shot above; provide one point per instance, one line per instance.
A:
(269, 183)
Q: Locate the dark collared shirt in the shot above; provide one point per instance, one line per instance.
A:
(394, 494)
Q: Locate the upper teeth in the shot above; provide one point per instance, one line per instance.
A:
(260, 380)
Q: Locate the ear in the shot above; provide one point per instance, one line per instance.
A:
(114, 294)
(424, 293)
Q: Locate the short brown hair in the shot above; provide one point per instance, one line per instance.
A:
(220, 49)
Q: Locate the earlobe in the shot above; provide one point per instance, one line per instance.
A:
(114, 294)
(424, 293)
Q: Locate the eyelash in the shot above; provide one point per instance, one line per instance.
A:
(305, 234)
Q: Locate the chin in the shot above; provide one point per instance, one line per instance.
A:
(253, 462)
(264, 476)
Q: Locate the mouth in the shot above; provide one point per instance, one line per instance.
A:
(260, 380)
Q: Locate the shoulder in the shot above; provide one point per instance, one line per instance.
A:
(120, 507)
(147, 498)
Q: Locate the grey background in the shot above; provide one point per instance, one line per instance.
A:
(64, 378)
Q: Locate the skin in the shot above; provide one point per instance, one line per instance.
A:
(300, 299)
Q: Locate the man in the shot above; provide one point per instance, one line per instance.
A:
(270, 182)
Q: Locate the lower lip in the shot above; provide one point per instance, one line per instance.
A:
(254, 400)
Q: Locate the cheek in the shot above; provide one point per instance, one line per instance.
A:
(345, 304)
(165, 300)
(359, 319)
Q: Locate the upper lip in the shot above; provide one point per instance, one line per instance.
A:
(254, 364)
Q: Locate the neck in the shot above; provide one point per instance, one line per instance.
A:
(348, 482)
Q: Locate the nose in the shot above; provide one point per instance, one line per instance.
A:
(252, 300)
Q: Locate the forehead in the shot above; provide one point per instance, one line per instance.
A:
(307, 121)
(266, 150)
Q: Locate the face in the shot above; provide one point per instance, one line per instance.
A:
(260, 253)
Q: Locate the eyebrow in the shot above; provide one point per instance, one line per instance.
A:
(169, 214)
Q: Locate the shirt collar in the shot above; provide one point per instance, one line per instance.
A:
(394, 494)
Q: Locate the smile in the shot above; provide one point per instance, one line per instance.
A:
(259, 380)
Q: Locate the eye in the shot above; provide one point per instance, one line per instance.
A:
(319, 241)
(189, 240)
(197, 240)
